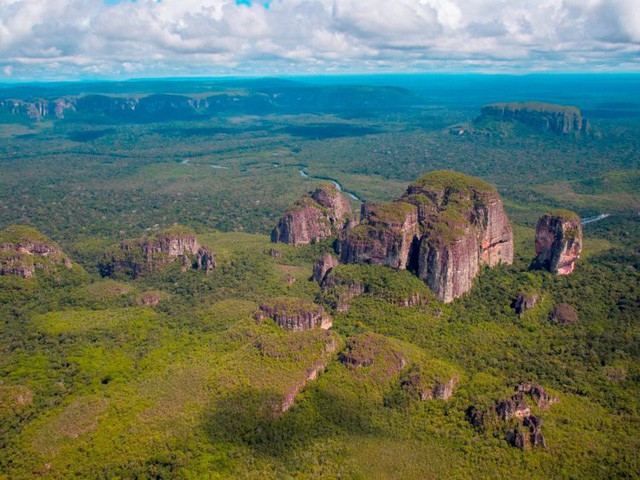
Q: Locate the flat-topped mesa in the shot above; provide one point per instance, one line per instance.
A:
(559, 119)
(558, 242)
(24, 249)
(443, 228)
(321, 213)
(141, 256)
(384, 237)
(294, 314)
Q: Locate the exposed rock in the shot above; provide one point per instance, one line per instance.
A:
(515, 407)
(558, 242)
(564, 314)
(323, 266)
(372, 350)
(142, 256)
(320, 214)
(384, 237)
(24, 250)
(312, 374)
(294, 314)
(343, 282)
(525, 302)
(275, 253)
(416, 382)
(545, 117)
(444, 228)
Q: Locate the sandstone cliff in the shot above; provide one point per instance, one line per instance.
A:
(24, 250)
(138, 257)
(443, 228)
(384, 237)
(294, 314)
(322, 213)
(558, 242)
(545, 117)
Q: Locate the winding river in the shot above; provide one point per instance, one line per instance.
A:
(304, 174)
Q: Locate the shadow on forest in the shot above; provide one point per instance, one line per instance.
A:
(251, 417)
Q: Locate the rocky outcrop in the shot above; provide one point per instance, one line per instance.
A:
(558, 242)
(24, 250)
(139, 257)
(419, 384)
(564, 314)
(323, 266)
(322, 213)
(525, 302)
(546, 117)
(384, 237)
(344, 282)
(294, 314)
(515, 409)
(375, 351)
(444, 228)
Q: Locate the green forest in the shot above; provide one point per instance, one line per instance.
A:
(168, 374)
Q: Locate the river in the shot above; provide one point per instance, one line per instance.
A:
(304, 174)
(597, 218)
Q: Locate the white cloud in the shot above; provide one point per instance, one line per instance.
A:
(75, 38)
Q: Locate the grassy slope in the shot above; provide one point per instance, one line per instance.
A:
(183, 390)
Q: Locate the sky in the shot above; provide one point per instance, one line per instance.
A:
(120, 39)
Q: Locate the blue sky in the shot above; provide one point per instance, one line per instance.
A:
(77, 39)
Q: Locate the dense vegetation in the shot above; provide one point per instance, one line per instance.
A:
(94, 383)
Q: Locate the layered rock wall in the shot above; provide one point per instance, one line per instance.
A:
(443, 228)
(23, 250)
(142, 256)
(322, 213)
(558, 242)
(558, 119)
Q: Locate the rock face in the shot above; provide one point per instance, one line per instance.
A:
(142, 256)
(558, 242)
(320, 214)
(558, 119)
(323, 266)
(294, 314)
(384, 237)
(24, 250)
(516, 408)
(525, 302)
(443, 228)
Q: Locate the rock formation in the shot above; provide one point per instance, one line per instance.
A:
(375, 351)
(384, 237)
(558, 242)
(323, 266)
(24, 250)
(516, 408)
(418, 383)
(322, 213)
(141, 256)
(558, 119)
(444, 228)
(525, 302)
(294, 314)
(343, 282)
